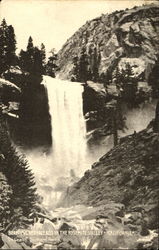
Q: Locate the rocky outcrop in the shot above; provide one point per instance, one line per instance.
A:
(129, 35)
(9, 98)
(33, 128)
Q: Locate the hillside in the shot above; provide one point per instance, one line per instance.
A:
(127, 174)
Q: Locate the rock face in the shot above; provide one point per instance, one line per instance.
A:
(33, 127)
(9, 98)
(127, 174)
(124, 36)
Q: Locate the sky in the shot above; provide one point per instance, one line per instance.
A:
(52, 22)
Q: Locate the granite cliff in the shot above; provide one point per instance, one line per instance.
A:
(126, 36)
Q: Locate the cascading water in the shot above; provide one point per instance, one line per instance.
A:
(68, 126)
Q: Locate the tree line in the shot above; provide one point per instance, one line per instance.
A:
(32, 60)
(85, 65)
(18, 197)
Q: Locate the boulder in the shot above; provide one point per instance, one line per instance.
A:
(8, 243)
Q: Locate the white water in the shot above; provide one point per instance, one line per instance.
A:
(68, 126)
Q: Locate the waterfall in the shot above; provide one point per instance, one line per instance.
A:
(68, 126)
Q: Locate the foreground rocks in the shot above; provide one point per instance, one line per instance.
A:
(8, 243)
(83, 227)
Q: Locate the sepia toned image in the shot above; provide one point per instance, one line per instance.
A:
(79, 124)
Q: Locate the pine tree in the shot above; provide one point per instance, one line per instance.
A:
(23, 60)
(30, 55)
(129, 86)
(126, 84)
(83, 66)
(30, 46)
(43, 58)
(37, 67)
(96, 59)
(156, 121)
(19, 176)
(7, 46)
(33, 59)
(114, 119)
(2, 46)
(75, 72)
(51, 65)
(11, 46)
(5, 198)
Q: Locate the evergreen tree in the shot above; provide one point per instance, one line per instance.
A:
(7, 46)
(30, 46)
(11, 46)
(51, 65)
(43, 58)
(156, 121)
(30, 56)
(19, 176)
(75, 72)
(96, 59)
(5, 197)
(33, 59)
(3, 64)
(83, 66)
(126, 84)
(23, 60)
(114, 119)
(129, 85)
(37, 67)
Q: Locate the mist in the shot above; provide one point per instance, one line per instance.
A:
(139, 118)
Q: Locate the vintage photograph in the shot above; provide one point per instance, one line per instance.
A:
(79, 124)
